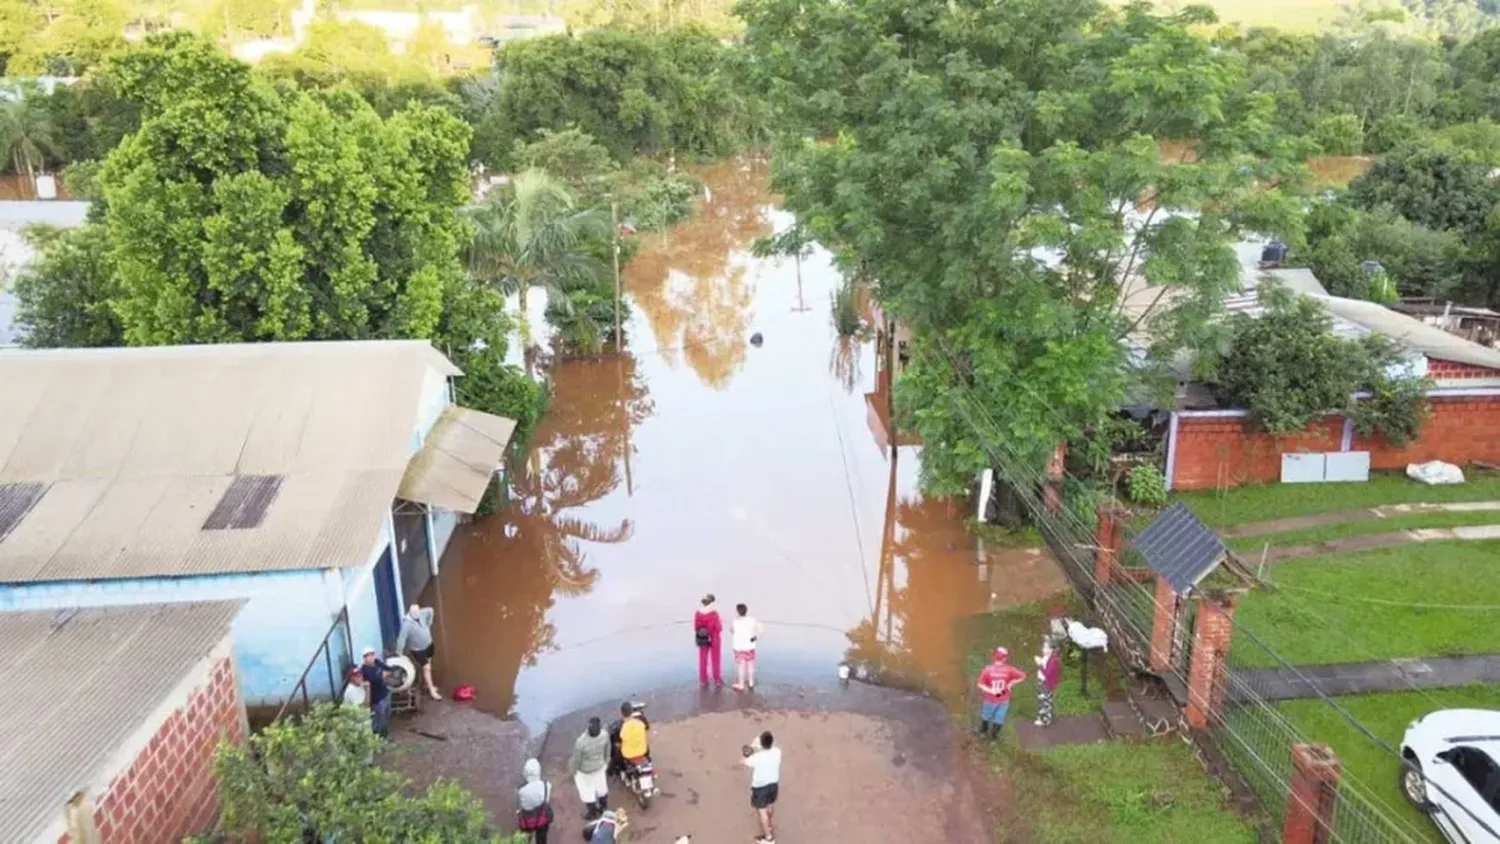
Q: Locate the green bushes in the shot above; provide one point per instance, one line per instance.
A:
(1147, 485)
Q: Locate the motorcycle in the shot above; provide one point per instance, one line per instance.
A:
(639, 778)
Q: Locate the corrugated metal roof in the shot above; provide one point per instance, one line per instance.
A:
(1411, 332)
(64, 214)
(458, 459)
(81, 682)
(1297, 279)
(1180, 548)
(140, 445)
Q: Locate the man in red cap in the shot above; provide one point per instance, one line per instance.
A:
(995, 682)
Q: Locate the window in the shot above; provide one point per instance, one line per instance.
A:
(244, 503)
(1479, 770)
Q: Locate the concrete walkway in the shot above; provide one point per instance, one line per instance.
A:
(1076, 729)
(1371, 541)
(1386, 512)
(1350, 678)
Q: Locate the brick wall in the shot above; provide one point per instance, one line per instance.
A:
(1438, 369)
(168, 791)
(1216, 451)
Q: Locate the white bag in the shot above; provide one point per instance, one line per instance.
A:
(1435, 473)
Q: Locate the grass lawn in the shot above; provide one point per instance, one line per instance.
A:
(1021, 630)
(1278, 501)
(1325, 612)
(1386, 715)
(1120, 791)
(1250, 546)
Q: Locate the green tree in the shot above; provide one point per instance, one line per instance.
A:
(64, 294)
(1288, 368)
(1418, 260)
(992, 168)
(311, 779)
(26, 134)
(532, 234)
(1433, 184)
(240, 213)
(679, 91)
(72, 36)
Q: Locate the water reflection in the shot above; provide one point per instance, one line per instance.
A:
(695, 283)
(762, 474)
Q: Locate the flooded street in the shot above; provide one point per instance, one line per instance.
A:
(701, 463)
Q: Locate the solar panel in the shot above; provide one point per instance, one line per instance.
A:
(1180, 548)
(16, 500)
(244, 504)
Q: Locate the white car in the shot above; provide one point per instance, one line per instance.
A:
(1452, 772)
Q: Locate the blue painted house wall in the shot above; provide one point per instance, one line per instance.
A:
(288, 613)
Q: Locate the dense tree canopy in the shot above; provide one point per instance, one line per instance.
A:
(238, 213)
(993, 169)
(679, 91)
(1288, 368)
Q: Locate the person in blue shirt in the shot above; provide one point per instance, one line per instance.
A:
(377, 692)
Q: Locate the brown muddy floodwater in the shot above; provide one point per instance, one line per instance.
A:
(700, 463)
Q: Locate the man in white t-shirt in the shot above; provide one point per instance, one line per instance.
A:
(744, 633)
(764, 761)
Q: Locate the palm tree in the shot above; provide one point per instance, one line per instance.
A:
(26, 134)
(533, 235)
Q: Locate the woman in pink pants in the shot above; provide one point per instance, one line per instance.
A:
(708, 633)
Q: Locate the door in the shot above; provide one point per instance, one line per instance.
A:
(386, 603)
(411, 554)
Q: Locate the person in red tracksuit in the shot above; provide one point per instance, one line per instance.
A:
(708, 633)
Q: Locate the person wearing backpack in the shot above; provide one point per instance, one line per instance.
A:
(708, 633)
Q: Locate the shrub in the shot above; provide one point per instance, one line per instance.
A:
(1147, 485)
(1339, 134)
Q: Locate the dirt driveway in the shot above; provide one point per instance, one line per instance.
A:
(881, 767)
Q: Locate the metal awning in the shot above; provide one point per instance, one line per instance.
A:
(458, 459)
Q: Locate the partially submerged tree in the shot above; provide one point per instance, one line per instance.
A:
(994, 169)
(532, 234)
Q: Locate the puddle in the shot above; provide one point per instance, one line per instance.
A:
(701, 463)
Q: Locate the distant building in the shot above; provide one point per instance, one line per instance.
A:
(110, 727)
(317, 482)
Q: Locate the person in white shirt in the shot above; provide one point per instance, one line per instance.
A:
(764, 761)
(744, 633)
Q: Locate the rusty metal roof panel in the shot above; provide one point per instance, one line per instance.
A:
(157, 435)
(93, 678)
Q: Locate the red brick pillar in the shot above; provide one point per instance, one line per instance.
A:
(1052, 489)
(1163, 627)
(1107, 538)
(1211, 638)
(1314, 792)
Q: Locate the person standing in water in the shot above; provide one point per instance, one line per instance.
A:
(708, 633)
(744, 635)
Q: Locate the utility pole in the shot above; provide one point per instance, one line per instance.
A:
(614, 219)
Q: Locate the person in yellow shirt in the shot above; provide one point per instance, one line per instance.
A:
(634, 744)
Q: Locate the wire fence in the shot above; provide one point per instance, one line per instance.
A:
(1246, 728)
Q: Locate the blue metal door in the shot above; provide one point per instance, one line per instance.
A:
(387, 605)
